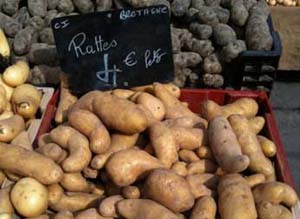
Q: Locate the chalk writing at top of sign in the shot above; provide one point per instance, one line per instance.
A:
(99, 45)
(127, 13)
(62, 24)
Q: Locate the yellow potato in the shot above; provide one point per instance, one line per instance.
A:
(107, 206)
(205, 208)
(180, 168)
(4, 46)
(6, 206)
(131, 192)
(257, 123)
(29, 197)
(167, 188)
(268, 147)
(235, 198)
(11, 127)
(75, 182)
(16, 74)
(9, 90)
(255, 179)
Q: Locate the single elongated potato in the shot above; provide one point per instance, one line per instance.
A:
(187, 138)
(276, 193)
(60, 201)
(66, 100)
(255, 179)
(120, 114)
(16, 74)
(29, 197)
(118, 142)
(75, 182)
(188, 156)
(174, 108)
(122, 93)
(153, 104)
(4, 46)
(235, 198)
(143, 208)
(205, 152)
(250, 147)
(107, 207)
(90, 125)
(126, 166)
(201, 166)
(23, 162)
(77, 145)
(257, 123)
(64, 215)
(163, 143)
(243, 106)
(169, 189)
(267, 210)
(268, 147)
(11, 127)
(205, 208)
(173, 89)
(225, 147)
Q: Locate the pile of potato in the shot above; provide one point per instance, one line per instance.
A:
(142, 154)
(284, 2)
(19, 102)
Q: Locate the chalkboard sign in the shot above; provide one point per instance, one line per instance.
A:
(122, 48)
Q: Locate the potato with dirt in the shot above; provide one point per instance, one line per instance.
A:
(23, 162)
(143, 208)
(169, 189)
(233, 190)
(134, 164)
(225, 146)
(232, 50)
(223, 34)
(212, 64)
(201, 31)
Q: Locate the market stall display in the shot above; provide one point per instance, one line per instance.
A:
(206, 35)
(154, 166)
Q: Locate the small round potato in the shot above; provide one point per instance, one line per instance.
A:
(29, 197)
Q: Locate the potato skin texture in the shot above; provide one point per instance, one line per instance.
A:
(90, 213)
(143, 208)
(126, 166)
(23, 162)
(268, 147)
(11, 127)
(63, 215)
(59, 201)
(276, 193)
(120, 114)
(267, 210)
(225, 147)
(75, 182)
(205, 208)
(5, 202)
(250, 147)
(169, 189)
(107, 206)
(153, 104)
(29, 197)
(257, 123)
(163, 143)
(90, 125)
(234, 190)
(255, 179)
(131, 192)
(187, 138)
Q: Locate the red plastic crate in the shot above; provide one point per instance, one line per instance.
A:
(194, 97)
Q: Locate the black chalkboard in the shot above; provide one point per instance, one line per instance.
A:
(121, 48)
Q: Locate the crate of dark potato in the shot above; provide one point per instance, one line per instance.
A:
(255, 69)
(133, 181)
